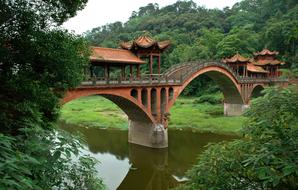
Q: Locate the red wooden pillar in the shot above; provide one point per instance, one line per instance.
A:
(158, 101)
(131, 71)
(138, 71)
(123, 72)
(149, 100)
(150, 65)
(106, 71)
(159, 64)
(237, 70)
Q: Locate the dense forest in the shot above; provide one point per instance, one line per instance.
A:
(210, 34)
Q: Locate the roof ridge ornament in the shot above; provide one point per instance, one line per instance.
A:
(145, 42)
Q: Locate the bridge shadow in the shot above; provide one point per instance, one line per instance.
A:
(149, 168)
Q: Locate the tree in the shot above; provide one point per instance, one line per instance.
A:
(265, 159)
(241, 40)
(38, 62)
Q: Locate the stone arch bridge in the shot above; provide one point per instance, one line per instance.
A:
(147, 100)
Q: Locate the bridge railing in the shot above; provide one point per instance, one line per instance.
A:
(190, 68)
(142, 80)
(195, 66)
(176, 75)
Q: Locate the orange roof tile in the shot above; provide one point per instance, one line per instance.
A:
(236, 58)
(100, 54)
(255, 69)
(262, 62)
(145, 42)
(266, 52)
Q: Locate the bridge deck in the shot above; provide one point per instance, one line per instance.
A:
(175, 75)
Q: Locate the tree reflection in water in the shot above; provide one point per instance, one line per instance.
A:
(148, 168)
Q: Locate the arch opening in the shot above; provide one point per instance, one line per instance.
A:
(128, 105)
(171, 93)
(257, 92)
(228, 85)
(144, 96)
(153, 101)
(134, 93)
(225, 81)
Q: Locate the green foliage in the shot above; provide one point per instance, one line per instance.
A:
(242, 40)
(38, 61)
(265, 159)
(210, 98)
(96, 111)
(198, 33)
(44, 160)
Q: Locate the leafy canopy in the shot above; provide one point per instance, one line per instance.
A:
(265, 159)
(38, 61)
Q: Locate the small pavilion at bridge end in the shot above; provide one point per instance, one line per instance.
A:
(144, 50)
(263, 64)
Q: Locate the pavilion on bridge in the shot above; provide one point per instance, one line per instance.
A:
(147, 48)
(264, 64)
(267, 60)
(242, 66)
(144, 50)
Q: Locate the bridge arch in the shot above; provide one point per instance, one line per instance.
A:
(225, 80)
(126, 102)
(256, 91)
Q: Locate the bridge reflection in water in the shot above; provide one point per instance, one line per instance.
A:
(128, 166)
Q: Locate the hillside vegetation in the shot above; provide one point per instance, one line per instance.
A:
(200, 33)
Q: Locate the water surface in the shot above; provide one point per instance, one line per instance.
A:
(127, 166)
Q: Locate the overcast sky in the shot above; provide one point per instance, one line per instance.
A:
(101, 12)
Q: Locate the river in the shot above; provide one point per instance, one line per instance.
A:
(127, 166)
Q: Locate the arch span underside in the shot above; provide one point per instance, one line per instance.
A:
(256, 91)
(127, 103)
(225, 80)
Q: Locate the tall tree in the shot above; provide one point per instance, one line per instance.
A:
(38, 61)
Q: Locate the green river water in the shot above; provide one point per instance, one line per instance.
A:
(127, 166)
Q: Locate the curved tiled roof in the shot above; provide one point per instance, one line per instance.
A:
(266, 52)
(110, 55)
(236, 58)
(255, 69)
(268, 62)
(145, 42)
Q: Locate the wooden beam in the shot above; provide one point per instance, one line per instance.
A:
(150, 65)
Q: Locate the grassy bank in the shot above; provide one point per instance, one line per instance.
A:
(96, 111)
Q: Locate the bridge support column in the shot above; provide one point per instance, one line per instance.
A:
(147, 134)
(234, 109)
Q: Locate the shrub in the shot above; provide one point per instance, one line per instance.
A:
(265, 159)
(210, 98)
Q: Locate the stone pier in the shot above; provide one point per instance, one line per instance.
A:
(147, 134)
(234, 109)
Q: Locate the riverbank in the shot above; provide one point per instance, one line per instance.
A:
(96, 111)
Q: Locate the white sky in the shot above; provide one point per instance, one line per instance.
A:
(101, 12)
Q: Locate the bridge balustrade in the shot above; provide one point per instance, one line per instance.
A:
(182, 72)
